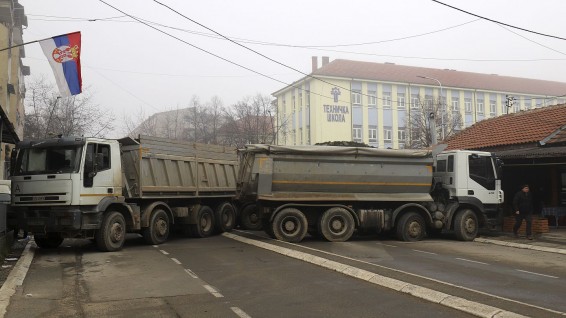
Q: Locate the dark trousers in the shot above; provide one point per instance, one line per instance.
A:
(519, 219)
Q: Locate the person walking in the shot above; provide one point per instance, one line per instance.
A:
(523, 206)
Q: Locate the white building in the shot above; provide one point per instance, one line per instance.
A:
(373, 103)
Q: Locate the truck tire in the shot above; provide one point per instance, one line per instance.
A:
(289, 225)
(336, 225)
(410, 227)
(49, 240)
(267, 228)
(250, 219)
(159, 228)
(205, 223)
(225, 216)
(466, 225)
(112, 233)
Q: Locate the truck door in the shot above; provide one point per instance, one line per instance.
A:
(482, 181)
(97, 175)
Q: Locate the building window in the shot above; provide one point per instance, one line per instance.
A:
(357, 133)
(428, 101)
(387, 134)
(400, 100)
(516, 106)
(492, 108)
(415, 102)
(468, 105)
(294, 133)
(300, 98)
(386, 99)
(308, 135)
(294, 101)
(372, 98)
(528, 103)
(308, 97)
(356, 97)
(401, 135)
(480, 106)
(455, 102)
(372, 135)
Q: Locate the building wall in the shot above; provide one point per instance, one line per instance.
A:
(309, 114)
(11, 74)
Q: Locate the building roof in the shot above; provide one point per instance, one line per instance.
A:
(545, 126)
(390, 72)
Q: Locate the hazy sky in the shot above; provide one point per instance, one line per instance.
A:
(131, 68)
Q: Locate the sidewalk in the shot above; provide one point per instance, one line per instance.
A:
(553, 242)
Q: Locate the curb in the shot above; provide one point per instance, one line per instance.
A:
(521, 245)
(16, 277)
(458, 303)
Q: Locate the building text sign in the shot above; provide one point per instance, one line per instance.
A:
(336, 113)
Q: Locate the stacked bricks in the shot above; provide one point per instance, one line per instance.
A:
(540, 225)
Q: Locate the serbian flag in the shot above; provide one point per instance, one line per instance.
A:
(63, 53)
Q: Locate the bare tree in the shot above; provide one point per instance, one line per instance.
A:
(419, 126)
(48, 114)
(141, 125)
(249, 121)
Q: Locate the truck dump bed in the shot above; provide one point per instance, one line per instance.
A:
(328, 173)
(159, 167)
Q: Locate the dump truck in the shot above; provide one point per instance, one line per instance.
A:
(334, 192)
(101, 189)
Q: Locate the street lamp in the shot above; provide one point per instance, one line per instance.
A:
(441, 102)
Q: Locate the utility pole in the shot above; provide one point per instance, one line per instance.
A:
(509, 101)
(441, 103)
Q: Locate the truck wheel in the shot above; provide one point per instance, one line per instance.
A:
(410, 227)
(336, 225)
(159, 227)
(466, 225)
(249, 218)
(225, 215)
(267, 228)
(112, 233)
(49, 240)
(205, 223)
(289, 225)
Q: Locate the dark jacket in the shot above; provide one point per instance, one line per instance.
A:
(523, 202)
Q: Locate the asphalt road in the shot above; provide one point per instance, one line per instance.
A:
(244, 274)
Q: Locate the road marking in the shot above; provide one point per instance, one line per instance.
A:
(425, 252)
(471, 261)
(533, 273)
(191, 273)
(213, 291)
(164, 253)
(386, 244)
(175, 260)
(240, 312)
(241, 239)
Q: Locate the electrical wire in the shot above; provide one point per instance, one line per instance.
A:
(322, 48)
(212, 54)
(498, 22)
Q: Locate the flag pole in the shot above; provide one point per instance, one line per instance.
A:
(15, 46)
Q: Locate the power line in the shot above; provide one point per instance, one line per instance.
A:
(323, 48)
(210, 53)
(498, 22)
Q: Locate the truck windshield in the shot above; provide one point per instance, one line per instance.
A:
(48, 160)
